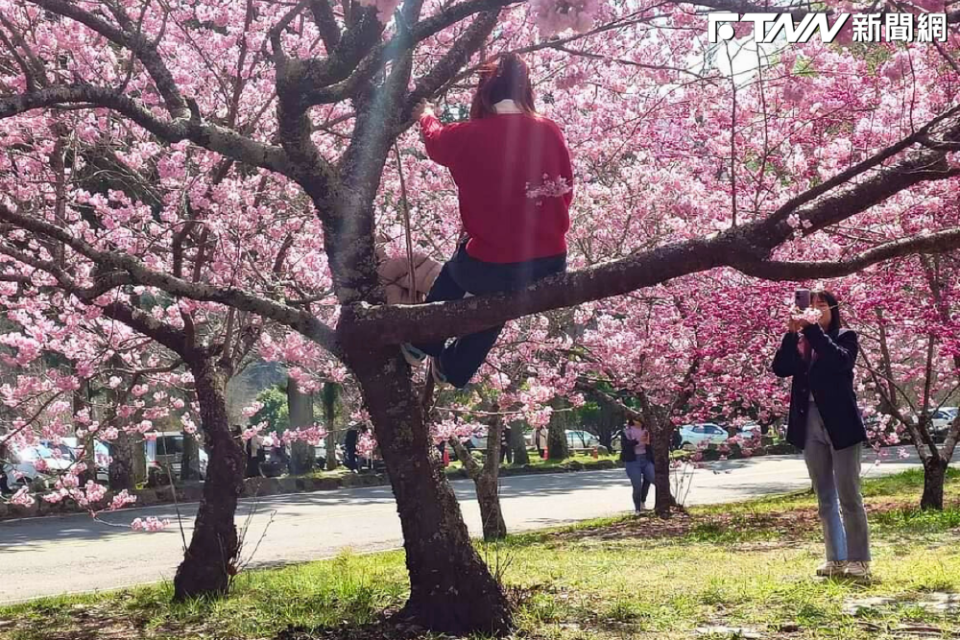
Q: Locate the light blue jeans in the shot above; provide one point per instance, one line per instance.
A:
(836, 481)
(638, 471)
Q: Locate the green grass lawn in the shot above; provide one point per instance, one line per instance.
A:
(746, 565)
(536, 463)
(539, 463)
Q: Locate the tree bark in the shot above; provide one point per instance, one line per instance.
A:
(488, 496)
(190, 458)
(451, 589)
(330, 392)
(211, 558)
(934, 475)
(610, 421)
(660, 429)
(558, 448)
(121, 472)
(486, 480)
(518, 444)
(300, 406)
(86, 444)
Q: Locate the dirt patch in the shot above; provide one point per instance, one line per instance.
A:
(793, 525)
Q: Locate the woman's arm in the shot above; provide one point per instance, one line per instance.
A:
(787, 361)
(442, 142)
(840, 354)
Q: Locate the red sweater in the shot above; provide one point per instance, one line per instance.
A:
(511, 211)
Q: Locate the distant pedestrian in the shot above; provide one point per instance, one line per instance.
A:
(4, 487)
(506, 453)
(540, 440)
(637, 457)
(350, 447)
(254, 449)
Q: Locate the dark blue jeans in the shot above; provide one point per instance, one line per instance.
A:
(463, 275)
(642, 475)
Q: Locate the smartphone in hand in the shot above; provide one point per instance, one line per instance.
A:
(802, 298)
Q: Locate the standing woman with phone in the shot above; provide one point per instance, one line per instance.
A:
(826, 424)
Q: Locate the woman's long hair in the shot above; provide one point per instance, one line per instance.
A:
(833, 329)
(506, 79)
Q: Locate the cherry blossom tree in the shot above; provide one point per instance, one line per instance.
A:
(906, 312)
(307, 107)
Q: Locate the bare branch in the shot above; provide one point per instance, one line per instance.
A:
(939, 242)
(207, 135)
(451, 62)
(326, 23)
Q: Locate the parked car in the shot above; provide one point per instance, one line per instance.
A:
(21, 464)
(320, 453)
(941, 421)
(101, 455)
(750, 430)
(579, 439)
(167, 449)
(691, 435)
(476, 441)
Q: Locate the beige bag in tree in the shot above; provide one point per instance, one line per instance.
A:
(394, 275)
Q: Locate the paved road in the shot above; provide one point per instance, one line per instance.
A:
(53, 555)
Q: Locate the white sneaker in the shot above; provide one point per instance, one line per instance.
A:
(412, 355)
(832, 568)
(857, 570)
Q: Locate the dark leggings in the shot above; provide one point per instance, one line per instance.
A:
(463, 275)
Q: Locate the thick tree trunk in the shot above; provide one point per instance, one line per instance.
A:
(122, 472)
(85, 444)
(190, 458)
(138, 456)
(518, 444)
(488, 496)
(300, 409)
(660, 441)
(934, 474)
(610, 420)
(211, 558)
(451, 589)
(330, 392)
(558, 448)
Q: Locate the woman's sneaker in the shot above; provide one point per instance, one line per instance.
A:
(857, 570)
(412, 355)
(832, 568)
